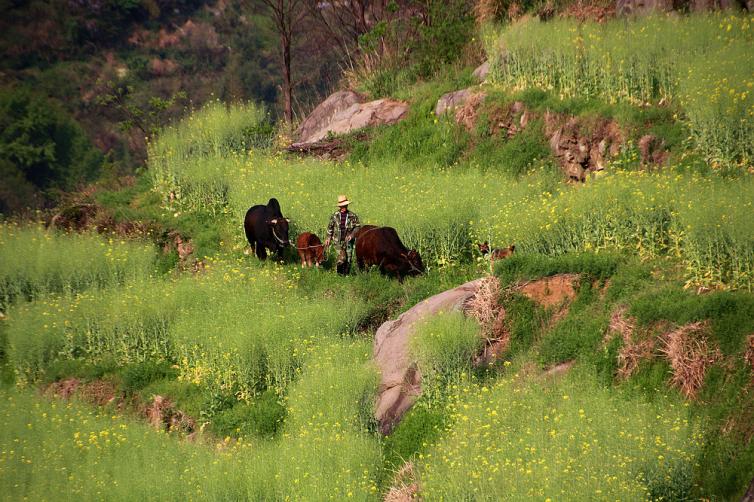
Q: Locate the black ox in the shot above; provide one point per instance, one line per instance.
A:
(382, 247)
(266, 228)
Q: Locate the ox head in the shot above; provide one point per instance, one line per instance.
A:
(414, 262)
(279, 228)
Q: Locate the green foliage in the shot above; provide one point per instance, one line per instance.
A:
(421, 139)
(420, 47)
(574, 336)
(441, 38)
(47, 148)
(78, 368)
(727, 467)
(147, 117)
(260, 418)
(523, 267)
(524, 320)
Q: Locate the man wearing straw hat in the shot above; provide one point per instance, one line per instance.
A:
(340, 232)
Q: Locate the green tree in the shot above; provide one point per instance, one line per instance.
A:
(41, 144)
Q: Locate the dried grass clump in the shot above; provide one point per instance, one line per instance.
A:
(162, 414)
(405, 486)
(690, 354)
(484, 307)
(633, 351)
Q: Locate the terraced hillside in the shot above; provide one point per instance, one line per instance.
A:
(148, 355)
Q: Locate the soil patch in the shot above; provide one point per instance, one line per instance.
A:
(161, 413)
(554, 291)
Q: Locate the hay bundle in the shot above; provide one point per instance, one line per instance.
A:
(404, 487)
(633, 351)
(485, 308)
(690, 354)
(484, 305)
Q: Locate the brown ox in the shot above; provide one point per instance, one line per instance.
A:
(310, 250)
(381, 247)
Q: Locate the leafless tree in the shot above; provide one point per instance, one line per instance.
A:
(286, 16)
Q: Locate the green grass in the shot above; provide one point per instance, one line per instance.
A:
(274, 362)
(444, 346)
(73, 451)
(35, 262)
(442, 206)
(522, 439)
(701, 63)
(234, 344)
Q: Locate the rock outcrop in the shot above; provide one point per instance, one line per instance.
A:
(481, 71)
(400, 383)
(580, 148)
(345, 111)
(652, 150)
(324, 113)
(452, 100)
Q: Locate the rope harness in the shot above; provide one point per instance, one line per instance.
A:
(280, 241)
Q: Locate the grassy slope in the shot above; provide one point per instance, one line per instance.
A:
(271, 354)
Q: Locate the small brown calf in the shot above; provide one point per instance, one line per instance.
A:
(310, 250)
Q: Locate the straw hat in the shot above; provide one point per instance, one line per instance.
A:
(343, 201)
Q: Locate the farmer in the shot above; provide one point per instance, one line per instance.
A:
(341, 227)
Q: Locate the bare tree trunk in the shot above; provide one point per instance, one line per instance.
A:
(287, 84)
(286, 16)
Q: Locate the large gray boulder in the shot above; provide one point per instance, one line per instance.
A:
(400, 383)
(344, 112)
(324, 113)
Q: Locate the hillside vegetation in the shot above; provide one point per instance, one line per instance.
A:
(257, 377)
